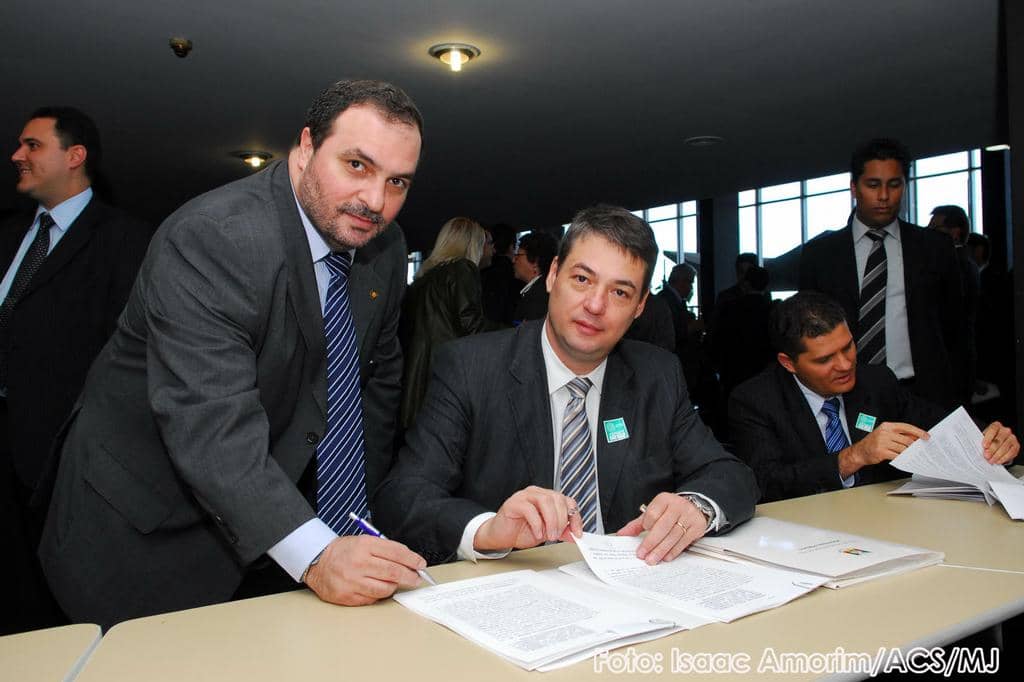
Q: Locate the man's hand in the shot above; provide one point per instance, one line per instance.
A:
(529, 518)
(355, 570)
(999, 443)
(672, 524)
(884, 443)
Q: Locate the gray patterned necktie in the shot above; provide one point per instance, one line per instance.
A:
(577, 476)
(871, 325)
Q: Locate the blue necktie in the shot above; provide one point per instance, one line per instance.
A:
(835, 437)
(340, 465)
(577, 469)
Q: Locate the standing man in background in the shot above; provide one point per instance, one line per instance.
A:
(67, 269)
(899, 284)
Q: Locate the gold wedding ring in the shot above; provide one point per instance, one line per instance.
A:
(685, 529)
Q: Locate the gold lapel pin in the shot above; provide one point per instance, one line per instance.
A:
(373, 293)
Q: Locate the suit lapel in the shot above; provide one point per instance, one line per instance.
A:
(911, 261)
(302, 290)
(11, 236)
(530, 404)
(364, 287)
(616, 403)
(78, 234)
(804, 422)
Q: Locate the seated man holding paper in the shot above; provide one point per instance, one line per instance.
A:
(818, 421)
(560, 426)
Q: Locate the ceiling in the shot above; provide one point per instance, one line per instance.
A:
(572, 101)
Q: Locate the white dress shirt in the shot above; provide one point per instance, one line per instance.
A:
(897, 330)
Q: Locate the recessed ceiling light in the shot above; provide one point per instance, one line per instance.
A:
(454, 54)
(998, 148)
(703, 140)
(253, 159)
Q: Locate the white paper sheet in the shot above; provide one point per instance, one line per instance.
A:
(530, 619)
(708, 588)
(1011, 496)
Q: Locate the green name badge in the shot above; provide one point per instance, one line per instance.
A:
(615, 430)
(865, 422)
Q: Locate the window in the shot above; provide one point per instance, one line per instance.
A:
(675, 231)
(774, 220)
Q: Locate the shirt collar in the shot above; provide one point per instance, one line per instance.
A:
(814, 400)
(860, 230)
(529, 285)
(67, 211)
(558, 374)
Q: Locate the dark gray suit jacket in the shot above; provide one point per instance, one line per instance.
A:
(201, 413)
(935, 308)
(484, 432)
(774, 431)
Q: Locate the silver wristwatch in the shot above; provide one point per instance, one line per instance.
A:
(706, 509)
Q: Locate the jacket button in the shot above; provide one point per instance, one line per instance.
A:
(312, 438)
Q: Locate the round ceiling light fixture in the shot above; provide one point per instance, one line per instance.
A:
(704, 140)
(253, 159)
(454, 54)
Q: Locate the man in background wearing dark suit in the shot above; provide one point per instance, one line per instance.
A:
(67, 269)
(560, 425)
(247, 400)
(820, 419)
(899, 284)
(531, 263)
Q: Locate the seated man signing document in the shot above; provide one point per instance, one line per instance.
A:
(560, 426)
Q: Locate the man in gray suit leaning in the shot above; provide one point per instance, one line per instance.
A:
(247, 400)
(560, 425)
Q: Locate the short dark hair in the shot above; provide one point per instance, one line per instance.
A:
(632, 234)
(805, 314)
(388, 99)
(539, 248)
(748, 258)
(74, 127)
(879, 149)
(682, 271)
(954, 216)
(503, 235)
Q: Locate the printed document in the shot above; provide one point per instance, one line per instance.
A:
(535, 620)
(841, 558)
(708, 588)
(953, 455)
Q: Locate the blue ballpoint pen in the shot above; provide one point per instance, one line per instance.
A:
(370, 530)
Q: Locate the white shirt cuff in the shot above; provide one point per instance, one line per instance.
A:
(720, 520)
(466, 550)
(297, 549)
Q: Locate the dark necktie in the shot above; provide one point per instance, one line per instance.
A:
(871, 325)
(34, 257)
(340, 460)
(835, 437)
(577, 476)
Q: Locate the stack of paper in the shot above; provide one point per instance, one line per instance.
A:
(840, 558)
(951, 464)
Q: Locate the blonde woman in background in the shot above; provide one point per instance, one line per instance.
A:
(444, 302)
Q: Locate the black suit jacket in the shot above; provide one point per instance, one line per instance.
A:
(63, 318)
(774, 431)
(202, 412)
(484, 432)
(533, 305)
(935, 306)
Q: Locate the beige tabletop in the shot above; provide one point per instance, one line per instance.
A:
(51, 655)
(295, 636)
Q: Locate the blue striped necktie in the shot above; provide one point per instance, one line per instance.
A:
(340, 462)
(835, 437)
(577, 477)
